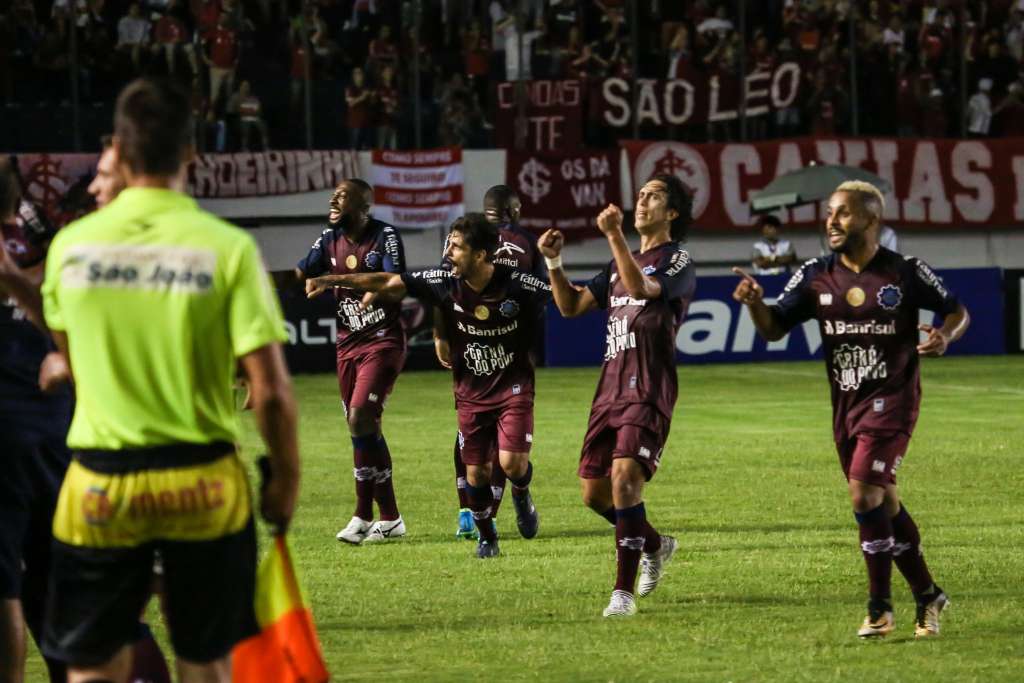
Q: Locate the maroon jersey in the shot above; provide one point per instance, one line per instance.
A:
(868, 324)
(379, 250)
(491, 333)
(517, 249)
(640, 349)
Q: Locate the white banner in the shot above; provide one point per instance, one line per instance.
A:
(418, 189)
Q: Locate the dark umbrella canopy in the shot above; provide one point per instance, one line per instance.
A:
(811, 184)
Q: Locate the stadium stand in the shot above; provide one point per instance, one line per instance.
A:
(907, 53)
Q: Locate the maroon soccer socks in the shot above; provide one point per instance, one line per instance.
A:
(630, 537)
(907, 554)
(480, 501)
(372, 473)
(652, 539)
(876, 543)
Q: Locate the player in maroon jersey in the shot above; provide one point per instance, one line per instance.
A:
(490, 312)
(866, 300)
(646, 293)
(517, 249)
(370, 350)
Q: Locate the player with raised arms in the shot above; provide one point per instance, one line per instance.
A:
(517, 249)
(646, 293)
(370, 350)
(490, 313)
(866, 300)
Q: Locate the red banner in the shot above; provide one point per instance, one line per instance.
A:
(553, 115)
(564, 191)
(417, 189)
(697, 98)
(936, 183)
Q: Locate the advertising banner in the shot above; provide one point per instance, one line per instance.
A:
(564, 191)
(417, 189)
(953, 184)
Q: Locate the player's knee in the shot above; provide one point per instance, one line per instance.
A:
(865, 497)
(361, 422)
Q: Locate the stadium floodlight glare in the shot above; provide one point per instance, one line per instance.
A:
(810, 184)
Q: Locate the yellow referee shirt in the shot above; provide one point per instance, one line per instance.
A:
(158, 299)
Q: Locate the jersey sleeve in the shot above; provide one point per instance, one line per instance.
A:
(431, 286)
(928, 291)
(796, 303)
(254, 313)
(677, 276)
(316, 262)
(390, 244)
(598, 285)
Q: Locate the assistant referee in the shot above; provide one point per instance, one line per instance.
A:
(156, 302)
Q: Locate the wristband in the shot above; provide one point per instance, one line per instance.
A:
(553, 263)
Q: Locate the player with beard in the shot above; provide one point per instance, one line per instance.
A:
(490, 312)
(517, 249)
(370, 350)
(866, 300)
(646, 293)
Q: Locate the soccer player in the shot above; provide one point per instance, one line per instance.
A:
(646, 293)
(34, 424)
(156, 301)
(370, 350)
(517, 249)
(866, 300)
(490, 313)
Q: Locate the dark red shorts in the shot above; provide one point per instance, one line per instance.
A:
(636, 431)
(507, 427)
(872, 457)
(365, 380)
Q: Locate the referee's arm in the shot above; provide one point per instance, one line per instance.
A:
(274, 405)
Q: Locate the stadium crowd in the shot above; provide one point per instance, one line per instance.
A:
(247, 62)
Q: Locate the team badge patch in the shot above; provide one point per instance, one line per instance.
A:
(481, 312)
(372, 260)
(855, 296)
(647, 270)
(889, 297)
(351, 261)
(509, 308)
(825, 299)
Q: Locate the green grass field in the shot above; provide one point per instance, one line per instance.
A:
(769, 584)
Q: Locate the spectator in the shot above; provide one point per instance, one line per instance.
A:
(133, 34)
(221, 53)
(170, 37)
(771, 255)
(894, 33)
(247, 107)
(387, 109)
(382, 50)
(517, 67)
(679, 53)
(979, 110)
(359, 100)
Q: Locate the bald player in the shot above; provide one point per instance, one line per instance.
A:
(866, 300)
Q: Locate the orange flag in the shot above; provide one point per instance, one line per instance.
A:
(287, 649)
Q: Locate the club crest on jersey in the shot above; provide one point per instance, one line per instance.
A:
(855, 296)
(509, 308)
(481, 312)
(647, 270)
(351, 261)
(889, 297)
(372, 260)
